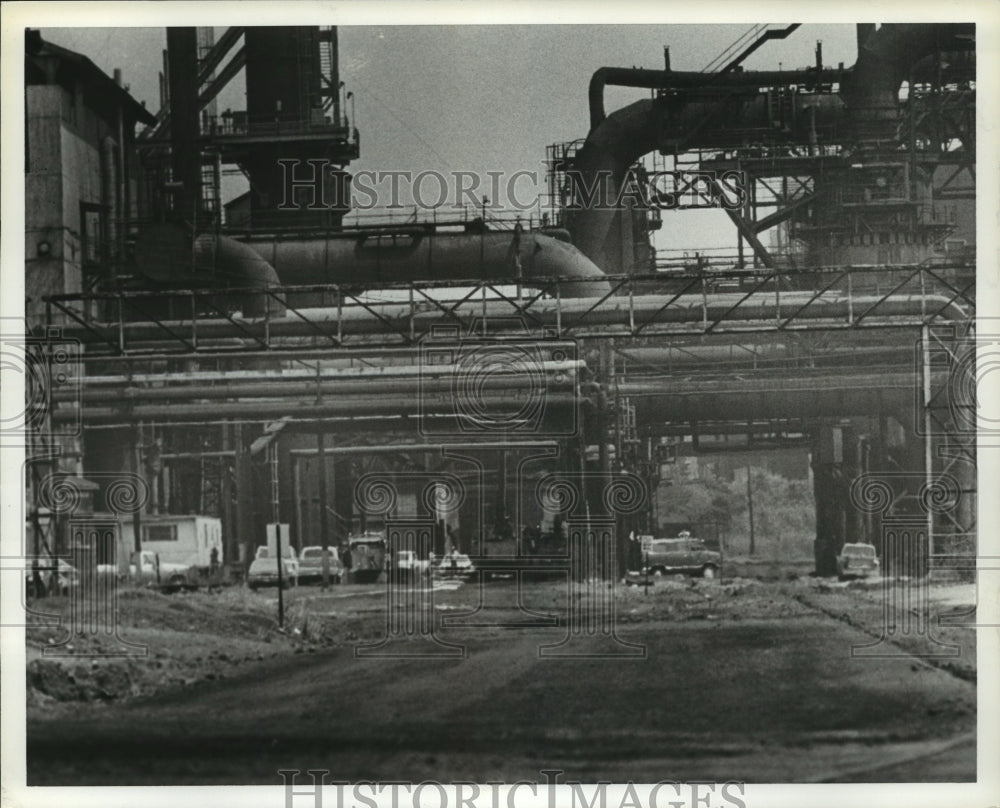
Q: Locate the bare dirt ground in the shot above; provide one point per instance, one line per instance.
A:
(743, 679)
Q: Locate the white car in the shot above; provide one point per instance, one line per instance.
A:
(264, 572)
(311, 564)
(409, 563)
(287, 551)
(454, 565)
(858, 560)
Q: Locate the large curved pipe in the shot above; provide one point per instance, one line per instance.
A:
(612, 148)
(885, 56)
(870, 89)
(233, 262)
(165, 254)
(168, 255)
(693, 80)
(729, 76)
(600, 168)
(418, 255)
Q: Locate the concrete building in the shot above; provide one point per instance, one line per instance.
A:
(80, 178)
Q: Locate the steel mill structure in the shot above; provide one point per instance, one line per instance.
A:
(253, 360)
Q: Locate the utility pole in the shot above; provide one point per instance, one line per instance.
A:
(281, 575)
(135, 453)
(324, 518)
(607, 399)
(750, 508)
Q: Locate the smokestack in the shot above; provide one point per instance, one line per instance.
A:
(864, 30)
(182, 84)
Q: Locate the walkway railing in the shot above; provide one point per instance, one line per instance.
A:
(330, 317)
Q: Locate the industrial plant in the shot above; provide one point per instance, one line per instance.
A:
(237, 353)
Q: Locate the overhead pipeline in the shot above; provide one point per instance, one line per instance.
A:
(168, 255)
(618, 312)
(422, 254)
(854, 392)
(165, 254)
(868, 93)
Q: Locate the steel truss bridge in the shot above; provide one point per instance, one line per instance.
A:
(768, 351)
(203, 322)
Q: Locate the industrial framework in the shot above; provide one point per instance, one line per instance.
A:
(223, 344)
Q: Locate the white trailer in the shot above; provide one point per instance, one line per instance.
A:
(176, 549)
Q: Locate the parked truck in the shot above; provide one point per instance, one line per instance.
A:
(367, 555)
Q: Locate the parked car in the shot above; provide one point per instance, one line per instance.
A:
(684, 555)
(68, 577)
(264, 572)
(857, 561)
(287, 551)
(454, 565)
(409, 563)
(311, 564)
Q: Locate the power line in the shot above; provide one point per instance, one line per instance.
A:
(750, 33)
(406, 125)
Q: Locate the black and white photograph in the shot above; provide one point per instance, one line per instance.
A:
(440, 405)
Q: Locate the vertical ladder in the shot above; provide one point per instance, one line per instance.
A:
(326, 68)
(272, 461)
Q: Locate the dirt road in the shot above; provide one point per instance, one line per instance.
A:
(743, 681)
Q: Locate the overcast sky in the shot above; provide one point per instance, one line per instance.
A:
(486, 98)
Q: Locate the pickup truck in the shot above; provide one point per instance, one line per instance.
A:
(408, 563)
(684, 555)
(167, 575)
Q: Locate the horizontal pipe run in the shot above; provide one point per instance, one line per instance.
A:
(459, 287)
(886, 380)
(641, 361)
(438, 404)
(627, 312)
(338, 389)
(381, 448)
(711, 357)
(415, 368)
(692, 81)
(393, 448)
(350, 356)
(345, 424)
